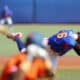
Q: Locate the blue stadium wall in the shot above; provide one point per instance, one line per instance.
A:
(44, 11)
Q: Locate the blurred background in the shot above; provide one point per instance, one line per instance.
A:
(47, 17)
(44, 11)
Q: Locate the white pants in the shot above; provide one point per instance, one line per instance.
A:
(7, 20)
(54, 60)
(35, 50)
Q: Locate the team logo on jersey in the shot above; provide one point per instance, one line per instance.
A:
(62, 35)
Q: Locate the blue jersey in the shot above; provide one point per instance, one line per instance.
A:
(62, 41)
(6, 13)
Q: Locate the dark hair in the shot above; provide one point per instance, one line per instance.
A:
(78, 40)
(28, 41)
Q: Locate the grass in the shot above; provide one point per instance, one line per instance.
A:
(68, 74)
(9, 47)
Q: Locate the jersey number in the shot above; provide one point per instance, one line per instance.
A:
(62, 34)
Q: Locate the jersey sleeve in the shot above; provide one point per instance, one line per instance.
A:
(70, 41)
(20, 45)
(70, 38)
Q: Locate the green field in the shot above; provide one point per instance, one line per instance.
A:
(9, 47)
(68, 74)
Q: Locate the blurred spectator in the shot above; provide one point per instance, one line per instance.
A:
(6, 16)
